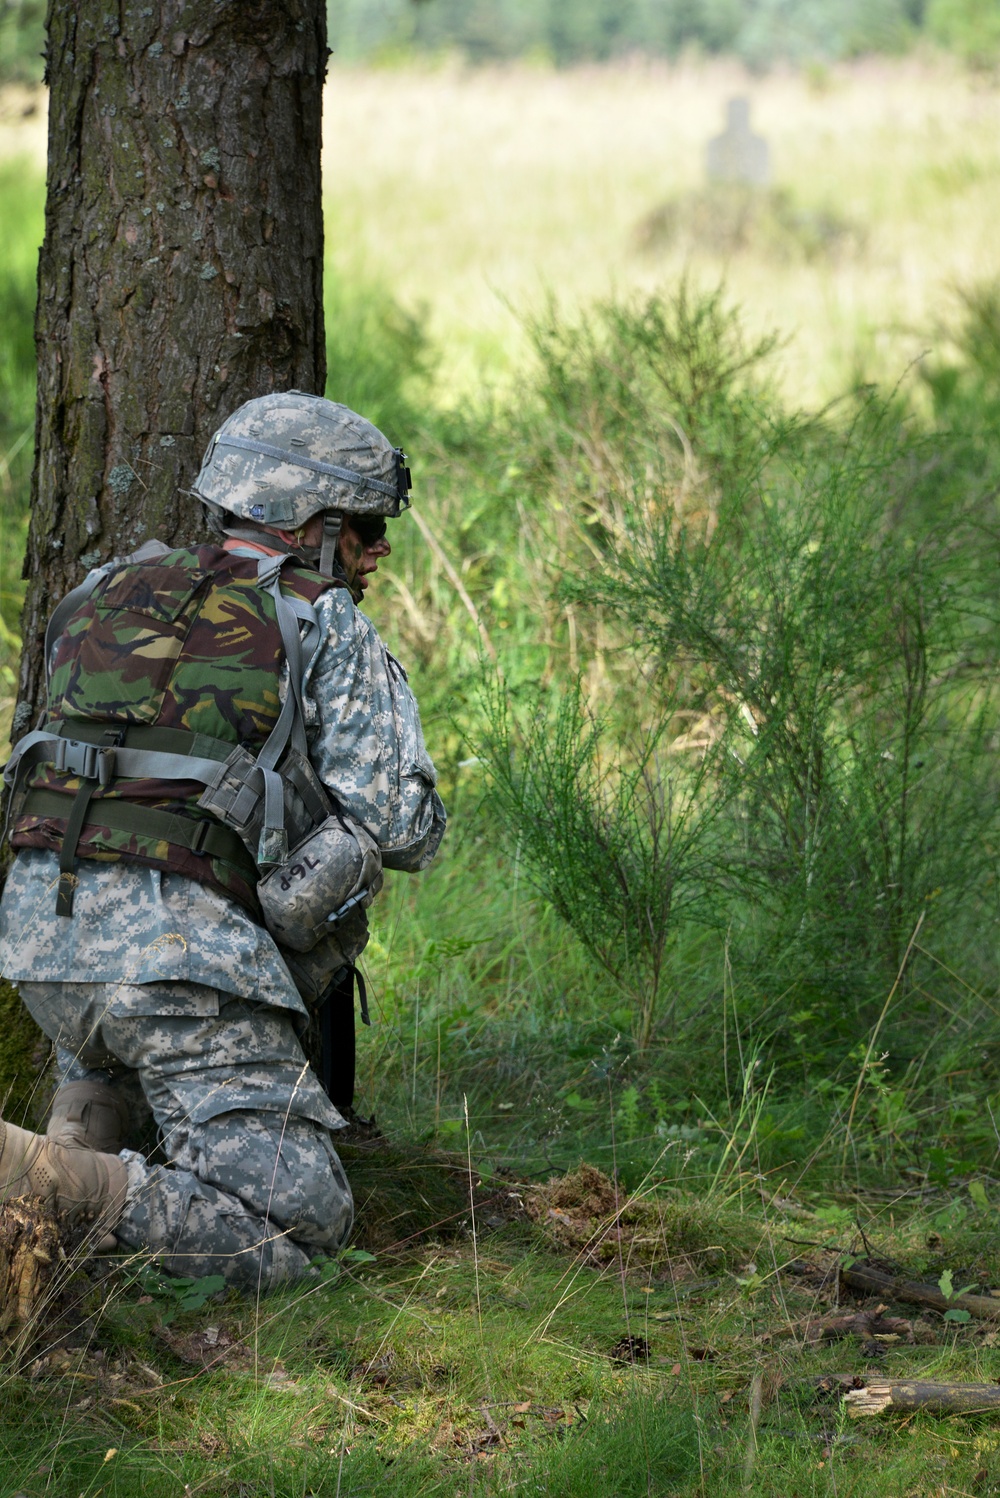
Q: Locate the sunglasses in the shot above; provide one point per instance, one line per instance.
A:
(368, 528)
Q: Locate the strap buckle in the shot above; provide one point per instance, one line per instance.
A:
(336, 916)
(88, 761)
(104, 763)
(104, 760)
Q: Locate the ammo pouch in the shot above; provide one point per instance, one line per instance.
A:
(334, 865)
(236, 794)
(336, 869)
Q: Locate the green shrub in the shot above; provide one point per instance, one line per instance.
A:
(571, 31)
(22, 40)
(804, 673)
(969, 27)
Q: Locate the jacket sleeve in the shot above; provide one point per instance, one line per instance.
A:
(366, 742)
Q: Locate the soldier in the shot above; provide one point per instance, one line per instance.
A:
(211, 707)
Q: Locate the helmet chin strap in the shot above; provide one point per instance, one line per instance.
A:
(312, 556)
(328, 550)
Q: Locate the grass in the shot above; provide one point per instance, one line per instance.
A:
(479, 190)
(687, 1373)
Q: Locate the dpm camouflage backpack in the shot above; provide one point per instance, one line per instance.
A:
(165, 740)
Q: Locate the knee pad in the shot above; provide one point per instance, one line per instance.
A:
(285, 1169)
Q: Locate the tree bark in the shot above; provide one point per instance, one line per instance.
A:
(181, 272)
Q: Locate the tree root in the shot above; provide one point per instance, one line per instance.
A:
(30, 1254)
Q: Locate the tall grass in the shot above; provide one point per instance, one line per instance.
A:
(479, 189)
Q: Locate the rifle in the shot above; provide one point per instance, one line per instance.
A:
(337, 1036)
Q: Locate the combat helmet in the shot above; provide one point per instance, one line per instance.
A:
(282, 458)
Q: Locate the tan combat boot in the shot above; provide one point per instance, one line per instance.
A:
(76, 1183)
(89, 1114)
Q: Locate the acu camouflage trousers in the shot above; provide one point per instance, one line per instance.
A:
(254, 1188)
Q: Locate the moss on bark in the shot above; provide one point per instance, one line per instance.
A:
(23, 1057)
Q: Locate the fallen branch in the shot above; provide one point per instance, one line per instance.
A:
(861, 1276)
(942, 1399)
(865, 1324)
(872, 1396)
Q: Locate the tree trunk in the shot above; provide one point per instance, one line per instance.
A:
(182, 267)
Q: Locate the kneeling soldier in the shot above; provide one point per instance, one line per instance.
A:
(228, 759)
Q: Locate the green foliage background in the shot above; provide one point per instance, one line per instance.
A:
(569, 31)
(22, 40)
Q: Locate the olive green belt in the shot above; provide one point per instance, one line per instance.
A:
(204, 836)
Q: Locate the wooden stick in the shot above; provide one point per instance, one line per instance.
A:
(876, 1282)
(944, 1399)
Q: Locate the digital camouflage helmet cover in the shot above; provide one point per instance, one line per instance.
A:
(281, 459)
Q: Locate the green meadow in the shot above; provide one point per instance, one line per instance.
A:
(700, 1002)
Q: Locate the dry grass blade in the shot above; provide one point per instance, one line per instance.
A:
(420, 522)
